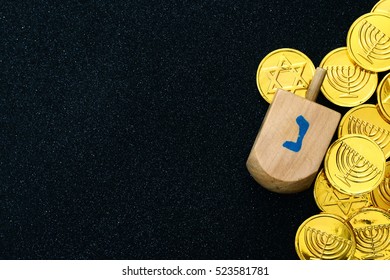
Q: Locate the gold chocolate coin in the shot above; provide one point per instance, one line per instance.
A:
(332, 201)
(371, 227)
(325, 237)
(368, 41)
(346, 83)
(366, 120)
(354, 164)
(382, 6)
(381, 195)
(286, 69)
(383, 95)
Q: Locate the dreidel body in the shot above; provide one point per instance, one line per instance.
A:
(293, 139)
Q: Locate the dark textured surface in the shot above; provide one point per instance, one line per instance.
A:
(125, 126)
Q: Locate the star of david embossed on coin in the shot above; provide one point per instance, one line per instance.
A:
(371, 227)
(368, 41)
(381, 195)
(332, 201)
(286, 69)
(354, 164)
(382, 6)
(366, 120)
(346, 83)
(383, 96)
(325, 237)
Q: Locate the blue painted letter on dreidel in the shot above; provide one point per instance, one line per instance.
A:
(303, 125)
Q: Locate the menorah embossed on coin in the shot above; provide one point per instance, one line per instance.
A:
(372, 239)
(353, 166)
(375, 43)
(347, 79)
(358, 126)
(326, 246)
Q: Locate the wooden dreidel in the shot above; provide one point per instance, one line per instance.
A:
(293, 139)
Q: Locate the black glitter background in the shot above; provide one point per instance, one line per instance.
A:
(125, 126)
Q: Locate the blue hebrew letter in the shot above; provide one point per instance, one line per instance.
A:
(303, 126)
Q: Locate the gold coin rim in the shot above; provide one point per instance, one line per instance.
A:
(349, 47)
(326, 164)
(271, 54)
(373, 10)
(367, 209)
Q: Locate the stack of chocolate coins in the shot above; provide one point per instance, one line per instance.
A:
(353, 188)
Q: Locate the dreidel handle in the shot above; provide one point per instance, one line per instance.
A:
(315, 84)
(293, 139)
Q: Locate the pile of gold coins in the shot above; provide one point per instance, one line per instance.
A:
(353, 188)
